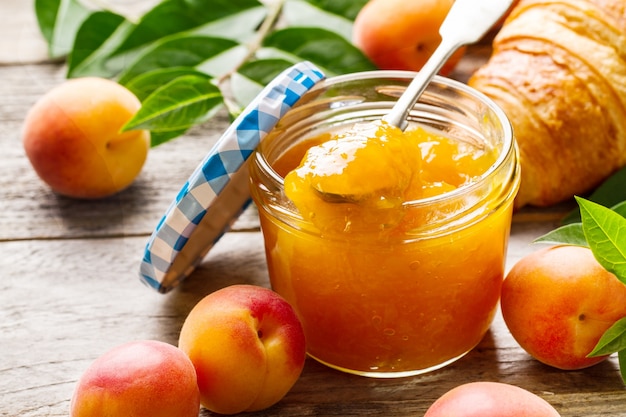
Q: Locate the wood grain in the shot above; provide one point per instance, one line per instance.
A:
(69, 286)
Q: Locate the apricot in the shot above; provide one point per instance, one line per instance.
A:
(72, 138)
(144, 378)
(558, 301)
(247, 346)
(402, 34)
(490, 399)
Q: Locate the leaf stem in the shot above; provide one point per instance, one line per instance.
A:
(274, 8)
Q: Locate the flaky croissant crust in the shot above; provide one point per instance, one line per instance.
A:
(558, 70)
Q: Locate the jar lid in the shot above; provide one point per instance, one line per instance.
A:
(218, 190)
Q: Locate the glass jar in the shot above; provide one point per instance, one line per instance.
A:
(420, 299)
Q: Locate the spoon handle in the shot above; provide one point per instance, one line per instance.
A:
(467, 22)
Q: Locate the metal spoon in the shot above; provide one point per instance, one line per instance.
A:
(466, 23)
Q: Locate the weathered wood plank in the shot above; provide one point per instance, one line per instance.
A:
(65, 302)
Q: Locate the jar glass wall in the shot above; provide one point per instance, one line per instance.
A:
(401, 303)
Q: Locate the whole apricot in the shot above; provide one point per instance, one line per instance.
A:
(72, 138)
(402, 34)
(144, 378)
(247, 346)
(558, 301)
(490, 399)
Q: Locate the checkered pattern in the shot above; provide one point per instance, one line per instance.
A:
(215, 171)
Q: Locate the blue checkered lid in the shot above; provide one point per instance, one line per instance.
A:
(218, 190)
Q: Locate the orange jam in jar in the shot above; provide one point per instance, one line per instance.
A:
(390, 245)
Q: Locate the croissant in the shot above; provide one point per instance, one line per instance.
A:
(558, 70)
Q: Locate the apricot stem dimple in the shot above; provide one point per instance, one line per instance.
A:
(582, 317)
(259, 334)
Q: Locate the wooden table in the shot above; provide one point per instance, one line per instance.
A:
(69, 287)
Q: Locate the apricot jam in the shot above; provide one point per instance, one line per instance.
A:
(390, 245)
(356, 181)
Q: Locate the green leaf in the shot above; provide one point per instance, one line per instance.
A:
(620, 208)
(58, 22)
(263, 71)
(605, 230)
(176, 16)
(46, 12)
(97, 37)
(333, 53)
(240, 26)
(252, 76)
(613, 340)
(178, 51)
(570, 234)
(178, 105)
(346, 8)
(222, 65)
(336, 16)
(147, 83)
(609, 193)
